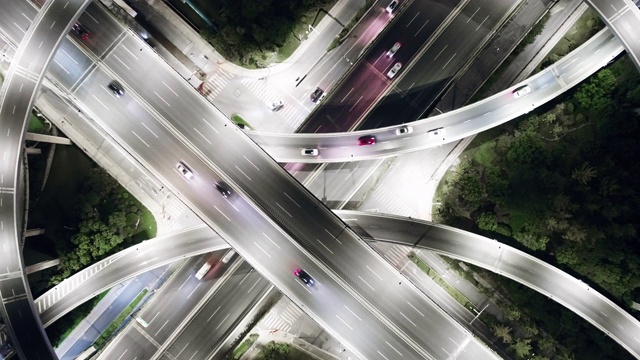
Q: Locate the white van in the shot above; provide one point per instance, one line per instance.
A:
(228, 256)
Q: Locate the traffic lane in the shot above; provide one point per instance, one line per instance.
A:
(247, 237)
(104, 30)
(357, 87)
(347, 103)
(627, 26)
(219, 316)
(24, 323)
(608, 8)
(69, 64)
(152, 256)
(538, 275)
(130, 344)
(433, 71)
(16, 16)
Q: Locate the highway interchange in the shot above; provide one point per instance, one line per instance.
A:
(157, 100)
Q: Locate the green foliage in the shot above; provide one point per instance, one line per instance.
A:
(527, 149)
(119, 320)
(595, 96)
(522, 348)
(274, 351)
(503, 333)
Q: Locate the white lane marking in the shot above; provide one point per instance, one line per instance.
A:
(325, 246)
(204, 137)
(185, 346)
(414, 308)
(283, 209)
(414, 17)
(165, 101)
(145, 125)
(374, 273)
(399, 353)
(125, 351)
(445, 65)
(70, 57)
(206, 122)
(344, 322)
(440, 53)
(52, 24)
(94, 19)
(26, 17)
(129, 51)
(254, 285)
(243, 173)
(285, 194)
(223, 320)
(170, 89)
(409, 320)
(471, 17)
(19, 28)
(265, 235)
(351, 311)
(485, 19)
(192, 356)
(335, 238)
(220, 211)
(360, 277)
(382, 355)
(139, 138)
(123, 63)
(213, 314)
(56, 61)
(165, 323)
(343, 99)
(105, 106)
(259, 247)
(194, 289)
(422, 27)
(254, 165)
(354, 105)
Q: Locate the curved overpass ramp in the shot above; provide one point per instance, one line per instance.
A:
(16, 101)
(458, 244)
(623, 18)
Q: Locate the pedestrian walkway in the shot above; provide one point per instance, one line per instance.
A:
(281, 317)
(267, 94)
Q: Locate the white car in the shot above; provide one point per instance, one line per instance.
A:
(392, 6)
(436, 133)
(394, 49)
(394, 70)
(521, 91)
(309, 152)
(276, 105)
(184, 170)
(404, 130)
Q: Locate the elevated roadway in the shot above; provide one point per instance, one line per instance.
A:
(458, 244)
(16, 101)
(623, 19)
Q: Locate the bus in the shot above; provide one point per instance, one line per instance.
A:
(207, 265)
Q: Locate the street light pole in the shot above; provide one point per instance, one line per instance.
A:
(486, 306)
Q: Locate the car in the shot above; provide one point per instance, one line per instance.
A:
(404, 130)
(116, 88)
(184, 170)
(242, 126)
(80, 32)
(366, 140)
(321, 97)
(309, 152)
(315, 96)
(521, 91)
(436, 133)
(394, 49)
(276, 105)
(394, 70)
(304, 276)
(393, 5)
(222, 188)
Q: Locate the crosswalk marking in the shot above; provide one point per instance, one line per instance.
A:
(392, 202)
(267, 95)
(215, 83)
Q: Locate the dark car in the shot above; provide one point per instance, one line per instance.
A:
(116, 88)
(78, 30)
(223, 189)
(306, 278)
(366, 140)
(316, 94)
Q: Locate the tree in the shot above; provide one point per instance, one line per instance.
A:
(512, 313)
(274, 351)
(503, 332)
(527, 149)
(532, 239)
(595, 95)
(584, 173)
(487, 221)
(522, 347)
(547, 345)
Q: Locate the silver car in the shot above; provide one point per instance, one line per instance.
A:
(394, 70)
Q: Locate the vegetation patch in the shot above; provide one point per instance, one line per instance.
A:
(244, 346)
(457, 295)
(257, 33)
(345, 30)
(118, 321)
(61, 328)
(239, 120)
(282, 351)
(561, 183)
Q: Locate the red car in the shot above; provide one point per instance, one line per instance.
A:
(366, 140)
(79, 31)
